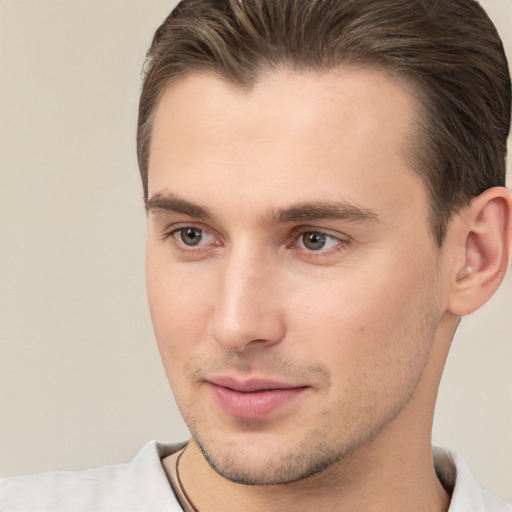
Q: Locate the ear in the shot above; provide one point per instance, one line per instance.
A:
(484, 234)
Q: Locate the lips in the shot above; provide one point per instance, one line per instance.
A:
(253, 398)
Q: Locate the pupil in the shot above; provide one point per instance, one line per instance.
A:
(314, 241)
(191, 236)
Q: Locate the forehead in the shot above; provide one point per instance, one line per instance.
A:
(346, 131)
(210, 103)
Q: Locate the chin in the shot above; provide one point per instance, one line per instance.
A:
(264, 463)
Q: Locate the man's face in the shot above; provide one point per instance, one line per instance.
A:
(292, 278)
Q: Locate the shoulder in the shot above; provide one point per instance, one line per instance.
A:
(139, 485)
(467, 494)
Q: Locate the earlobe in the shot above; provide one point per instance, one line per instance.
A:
(486, 231)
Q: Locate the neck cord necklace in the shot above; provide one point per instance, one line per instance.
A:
(182, 489)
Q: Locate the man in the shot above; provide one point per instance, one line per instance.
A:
(324, 183)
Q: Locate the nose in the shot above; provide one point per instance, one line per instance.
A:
(247, 312)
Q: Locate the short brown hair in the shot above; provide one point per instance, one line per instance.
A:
(448, 49)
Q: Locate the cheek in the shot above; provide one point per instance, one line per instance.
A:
(375, 352)
(179, 314)
(373, 325)
(180, 307)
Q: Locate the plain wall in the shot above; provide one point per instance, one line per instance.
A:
(80, 379)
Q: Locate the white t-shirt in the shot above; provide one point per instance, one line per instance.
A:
(142, 486)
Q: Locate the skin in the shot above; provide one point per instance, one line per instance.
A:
(362, 324)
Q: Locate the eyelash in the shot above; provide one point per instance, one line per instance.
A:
(341, 244)
(186, 249)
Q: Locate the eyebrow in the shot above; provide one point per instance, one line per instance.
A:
(167, 202)
(324, 210)
(301, 212)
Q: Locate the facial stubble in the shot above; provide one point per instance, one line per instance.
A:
(322, 447)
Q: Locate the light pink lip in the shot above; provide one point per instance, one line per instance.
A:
(253, 398)
(252, 384)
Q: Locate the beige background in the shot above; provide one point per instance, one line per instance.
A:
(80, 379)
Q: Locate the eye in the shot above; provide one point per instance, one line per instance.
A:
(192, 237)
(316, 241)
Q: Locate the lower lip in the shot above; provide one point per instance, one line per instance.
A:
(255, 405)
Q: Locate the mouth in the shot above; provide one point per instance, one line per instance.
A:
(253, 398)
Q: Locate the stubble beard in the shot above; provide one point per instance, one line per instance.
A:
(330, 444)
(310, 459)
(326, 447)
